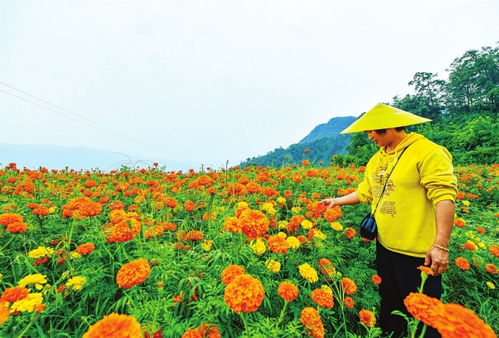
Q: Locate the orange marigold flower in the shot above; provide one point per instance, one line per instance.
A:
(349, 302)
(232, 224)
(423, 307)
(456, 321)
(350, 232)
(494, 250)
(154, 231)
(231, 272)
(481, 230)
(81, 207)
(470, 246)
(348, 285)
(277, 244)
(305, 163)
(115, 325)
(189, 205)
(8, 218)
(326, 267)
(367, 317)
(332, 214)
(426, 269)
(313, 323)
(16, 227)
(4, 312)
(85, 249)
(254, 224)
(323, 298)
(287, 291)
(133, 273)
(491, 268)
(376, 279)
(194, 235)
(244, 294)
(14, 294)
(462, 263)
(116, 205)
(203, 331)
(459, 222)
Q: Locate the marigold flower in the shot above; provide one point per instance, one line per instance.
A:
(376, 279)
(14, 294)
(27, 304)
(336, 226)
(194, 236)
(494, 250)
(308, 272)
(244, 294)
(133, 273)
(349, 302)
(367, 317)
(231, 272)
(16, 227)
(4, 312)
(455, 320)
(491, 268)
(349, 286)
(36, 279)
(81, 207)
(423, 307)
(287, 291)
(350, 232)
(277, 244)
(332, 214)
(427, 270)
(85, 249)
(41, 252)
(293, 242)
(312, 321)
(203, 331)
(254, 223)
(306, 224)
(459, 222)
(323, 298)
(115, 325)
(232, 224)
(8, 218)
(76, 283)
(470, 246)
(490, 285)
(326, 267)
(462, 263)
(273, 266)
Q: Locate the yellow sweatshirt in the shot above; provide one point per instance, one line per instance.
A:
(422, 178)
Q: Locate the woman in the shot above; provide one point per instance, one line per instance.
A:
(415, 213)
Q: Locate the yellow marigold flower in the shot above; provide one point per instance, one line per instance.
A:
(295, 210)
(308, 272)
(319, 234)
(74, 255)
(327, 289)
(293, 242)
(281, 200)
(283, 225)
(482, 245)
(41, 252)
(282, 234)
(207, 245)
(27, 304)
(490, 285)
(273, 265)
(37, 279)
(306, 224)
(337, 226)
(466, 203)
(242, 205)
(76, 283)
(258, 246)
(268, 207)
(52, 209)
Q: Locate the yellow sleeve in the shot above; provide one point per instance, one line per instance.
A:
(437, 176)
(364, 189)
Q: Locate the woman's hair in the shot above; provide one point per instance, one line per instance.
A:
(383, 131)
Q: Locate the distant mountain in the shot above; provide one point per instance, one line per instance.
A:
(332, 128)
(318, 146)
(60, 157)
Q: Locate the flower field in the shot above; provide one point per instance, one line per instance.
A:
(242, 252)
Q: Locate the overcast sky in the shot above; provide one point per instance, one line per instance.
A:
(212, 80)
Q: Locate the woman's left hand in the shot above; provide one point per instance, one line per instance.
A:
(437, 259)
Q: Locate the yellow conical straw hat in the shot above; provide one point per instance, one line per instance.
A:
(383, 116)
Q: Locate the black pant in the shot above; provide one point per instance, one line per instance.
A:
(400, 276)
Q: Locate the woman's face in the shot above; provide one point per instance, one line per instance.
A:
(380, 139)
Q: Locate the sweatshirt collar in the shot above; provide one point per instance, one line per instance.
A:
(407, 141)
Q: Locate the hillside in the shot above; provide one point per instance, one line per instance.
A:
(322, 143)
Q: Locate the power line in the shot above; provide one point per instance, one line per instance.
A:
(68, 113)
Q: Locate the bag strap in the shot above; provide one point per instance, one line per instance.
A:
(386, 182)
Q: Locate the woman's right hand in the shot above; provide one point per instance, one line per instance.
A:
(329, 202)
